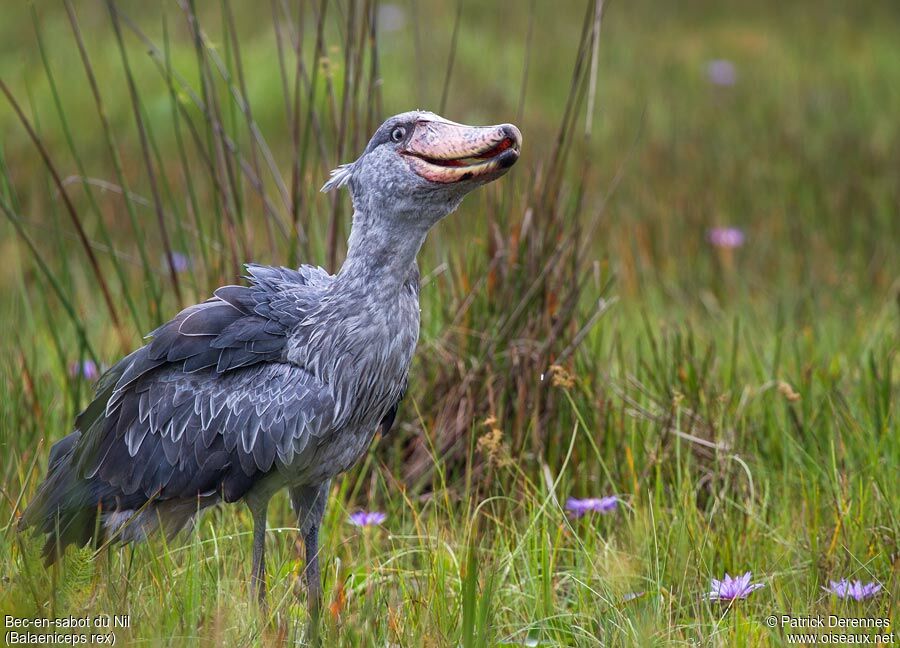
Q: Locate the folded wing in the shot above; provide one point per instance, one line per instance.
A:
(211, 402)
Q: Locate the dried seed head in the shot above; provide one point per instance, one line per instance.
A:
(561, 377)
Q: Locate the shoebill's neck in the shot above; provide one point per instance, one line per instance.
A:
(382, 251)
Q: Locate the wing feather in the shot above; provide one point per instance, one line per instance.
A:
(252, 432)
(210, 401)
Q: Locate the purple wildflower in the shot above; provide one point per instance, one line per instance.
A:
(86, 369)
(856, 590)
(730, 589)
(578, 507)
(725, 237)
(721, 72)
(367, 518)
(391, 18)
(181, 262)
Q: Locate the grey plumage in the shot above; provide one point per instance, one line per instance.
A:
(278, 383)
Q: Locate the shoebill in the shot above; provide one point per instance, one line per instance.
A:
(280, 383)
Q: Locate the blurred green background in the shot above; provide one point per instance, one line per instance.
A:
(801, 151)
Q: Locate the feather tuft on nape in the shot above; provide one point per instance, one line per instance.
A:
(339, 177)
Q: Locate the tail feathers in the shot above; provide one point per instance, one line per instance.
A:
(73, 510)
(65, 506)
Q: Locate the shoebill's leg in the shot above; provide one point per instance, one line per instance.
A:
(258, 507)
(309, 504)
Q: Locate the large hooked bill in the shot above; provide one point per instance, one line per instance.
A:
(444, 151)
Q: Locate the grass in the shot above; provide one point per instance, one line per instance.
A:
(580, 336)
